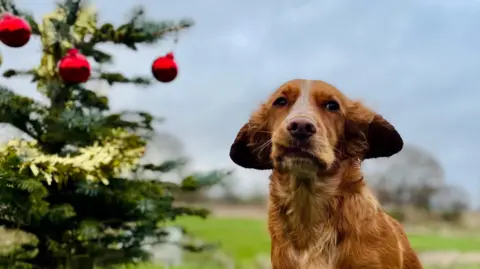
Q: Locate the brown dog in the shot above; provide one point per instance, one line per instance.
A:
(321, 213)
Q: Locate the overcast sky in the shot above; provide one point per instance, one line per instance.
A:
(417, 62)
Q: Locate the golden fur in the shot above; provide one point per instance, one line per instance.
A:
(321, 213)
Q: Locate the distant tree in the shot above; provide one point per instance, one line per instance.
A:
(412, 177)
(451, 202)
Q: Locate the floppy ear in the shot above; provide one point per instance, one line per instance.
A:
(383, 140)
(250, 150)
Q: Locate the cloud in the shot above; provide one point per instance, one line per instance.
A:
(416, 62)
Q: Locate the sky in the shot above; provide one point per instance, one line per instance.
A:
(416, 62)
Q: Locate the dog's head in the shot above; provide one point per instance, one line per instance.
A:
(309, 126)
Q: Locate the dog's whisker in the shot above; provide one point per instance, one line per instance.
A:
(263, 132)
(263, 146)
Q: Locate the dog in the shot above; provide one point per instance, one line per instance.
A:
(321, 214)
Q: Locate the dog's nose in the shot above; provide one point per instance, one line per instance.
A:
(301, 129)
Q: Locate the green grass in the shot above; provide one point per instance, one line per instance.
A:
(444, 243)
(241, 238)
(454, 267)
(246, 238)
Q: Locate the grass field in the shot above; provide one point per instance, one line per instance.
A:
(241, 238)
(246, 239)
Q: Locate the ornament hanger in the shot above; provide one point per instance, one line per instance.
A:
(176, 35)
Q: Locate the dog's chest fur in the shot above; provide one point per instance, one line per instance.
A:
(299, 218)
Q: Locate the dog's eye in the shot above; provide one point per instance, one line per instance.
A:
(281, 101)
(332, 105)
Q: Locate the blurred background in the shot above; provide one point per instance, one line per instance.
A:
(414, 62)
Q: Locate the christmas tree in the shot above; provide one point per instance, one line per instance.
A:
(77, 186)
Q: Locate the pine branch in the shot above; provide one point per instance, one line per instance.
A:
(89, 99)
(189, 211)
(137, 30)
(18, 111)
(73, 126)
(15, 225)
(97, 55)
(113, 78)
(165, 167)
(12, 73)
(155, 31)
(145, 120)
(201, 180)
(72, 7)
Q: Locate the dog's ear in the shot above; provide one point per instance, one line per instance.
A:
(369, 135)
(383, 139)
(251, 149)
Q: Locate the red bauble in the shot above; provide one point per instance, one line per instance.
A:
(14, 31)
(74, 67)
(165, 68)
